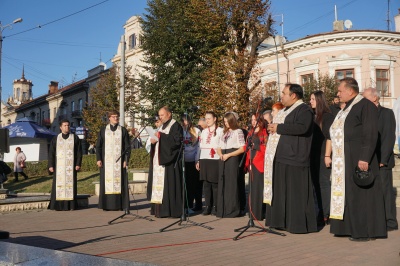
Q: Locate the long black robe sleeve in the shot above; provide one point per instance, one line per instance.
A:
(170, 144)
(369, 120)
(387, 136)
(52, 153)
(300, 126)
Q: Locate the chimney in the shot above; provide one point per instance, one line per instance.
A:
(53, 87)
(338, 25)
(397, 21)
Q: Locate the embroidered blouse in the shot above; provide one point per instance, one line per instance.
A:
(232, 139)
(209, 144)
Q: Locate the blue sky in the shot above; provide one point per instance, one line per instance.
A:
(64, 50)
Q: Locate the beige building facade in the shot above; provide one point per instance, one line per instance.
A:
(369, 56)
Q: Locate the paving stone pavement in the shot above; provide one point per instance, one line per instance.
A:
(133, 239)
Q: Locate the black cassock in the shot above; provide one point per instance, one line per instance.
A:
(364, 212)
(168, 150)
(113, 202)
(63, 205)
(292, 205)
(384, 151)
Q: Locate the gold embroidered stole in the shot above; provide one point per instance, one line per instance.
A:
(65, 168)
(159, 171)
(112, 168)
(338, 162)
(272, 144)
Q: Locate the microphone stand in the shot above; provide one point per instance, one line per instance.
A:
(250, 223)
(184, 217)
(127, 188)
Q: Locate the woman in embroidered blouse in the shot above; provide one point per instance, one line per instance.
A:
(231, 145)
(255, 166)
(320, 173)
(208, 160)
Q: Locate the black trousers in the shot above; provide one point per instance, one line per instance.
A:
(389, 197)
(194, 186)
(22, 173)
(210, 193)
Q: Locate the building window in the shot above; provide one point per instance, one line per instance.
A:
(24, 98)
(307, 78)
(132, 41)
(344, 73)
(43, 114)
(80, 102)
(72, 106)
(382, 82)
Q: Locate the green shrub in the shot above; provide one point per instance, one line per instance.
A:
(139, 159)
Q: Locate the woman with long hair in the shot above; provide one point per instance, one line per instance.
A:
(230, 146)
(208, 162)
(194, 188)
(320, 173)
(256, 143)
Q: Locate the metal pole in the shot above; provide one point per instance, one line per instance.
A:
(277, 69)
(122, 80)
(1, 91)
(18, 20)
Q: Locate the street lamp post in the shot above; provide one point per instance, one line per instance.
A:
(18, 20)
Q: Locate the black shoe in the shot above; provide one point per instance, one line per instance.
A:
(207, 210)
(360, 239)
(214, 211)
(391, 229)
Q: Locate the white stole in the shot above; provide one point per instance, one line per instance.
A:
(272, 144)
(159, 171)
(338, 162)
(65, 167)
(112, 168)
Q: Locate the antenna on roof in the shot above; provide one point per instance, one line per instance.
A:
(335, 14)
(388, 16)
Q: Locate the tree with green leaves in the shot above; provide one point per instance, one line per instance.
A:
(104, 97)
(201, 53)
(325, 83)
(241, 26)
(173, 62)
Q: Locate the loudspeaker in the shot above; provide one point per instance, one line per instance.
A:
(4, 140)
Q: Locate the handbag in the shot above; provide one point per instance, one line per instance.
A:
(363, 178)
(22, 164)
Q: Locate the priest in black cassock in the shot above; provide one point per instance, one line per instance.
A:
(112, 152)
(65, 157)
(356, 211)
(384, 151)
(287, 181)
(166, 193)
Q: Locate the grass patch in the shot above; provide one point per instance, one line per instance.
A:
(42, 184)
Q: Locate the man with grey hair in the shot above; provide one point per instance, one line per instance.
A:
(267, 115)
(384, 151)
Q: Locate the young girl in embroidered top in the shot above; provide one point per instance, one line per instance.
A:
(207, 162)
(230, 146)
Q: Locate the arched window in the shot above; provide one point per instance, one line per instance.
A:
(132, 41)
(18, 94)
